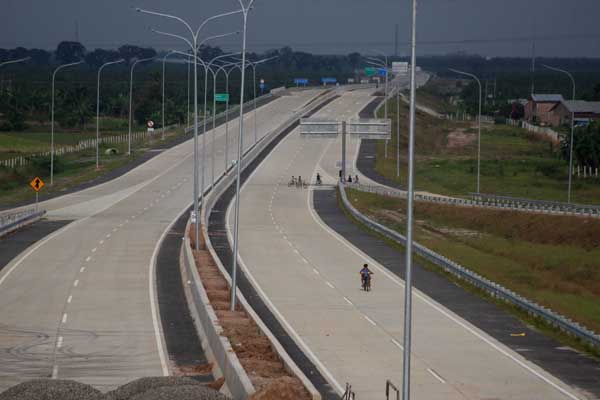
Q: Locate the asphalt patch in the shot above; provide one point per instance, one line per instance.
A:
(18, 241)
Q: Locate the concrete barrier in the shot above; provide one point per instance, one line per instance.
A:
(12, 223)
(218, 348)
(211, 200)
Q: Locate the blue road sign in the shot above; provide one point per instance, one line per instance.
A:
(328, 80)
(381, 72)
(301, 81)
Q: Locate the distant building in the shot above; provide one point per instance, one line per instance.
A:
(539, 109)
(585, 111)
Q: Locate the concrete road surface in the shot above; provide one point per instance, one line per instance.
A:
(309, 276)
(80, 304)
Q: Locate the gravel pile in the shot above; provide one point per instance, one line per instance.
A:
(48, 389)
(161, 388)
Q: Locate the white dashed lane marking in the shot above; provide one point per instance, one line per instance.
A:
(370, 321)
(64, 318)
(435, 375)
(70, 299)
(59, 342)
(76, 283)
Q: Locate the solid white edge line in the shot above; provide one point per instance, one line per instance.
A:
(448, 314)
(288, 328)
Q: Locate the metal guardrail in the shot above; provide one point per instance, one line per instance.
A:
(516, 202)
(10, 222)
(524, 205)
(495, 290)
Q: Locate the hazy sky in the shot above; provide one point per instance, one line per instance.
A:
(486, 27)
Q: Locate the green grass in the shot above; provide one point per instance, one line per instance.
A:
(513, 161)
(554, 261)
(71, 170)
(38, 137)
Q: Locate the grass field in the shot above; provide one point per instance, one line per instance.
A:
(514, 162)
(70, 170)
(552, 260)
(38, 138)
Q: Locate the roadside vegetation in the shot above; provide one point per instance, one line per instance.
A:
(514, 162)
(552, 260)
(70, 170)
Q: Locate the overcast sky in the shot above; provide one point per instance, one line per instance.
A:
(487, 27)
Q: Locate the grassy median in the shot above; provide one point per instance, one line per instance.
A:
(552, 260)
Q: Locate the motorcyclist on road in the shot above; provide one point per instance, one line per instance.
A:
(319, 179)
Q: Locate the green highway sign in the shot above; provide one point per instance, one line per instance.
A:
(370, 71)
(222, 97)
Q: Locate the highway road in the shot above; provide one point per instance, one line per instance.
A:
(308, 274)
(80, 304)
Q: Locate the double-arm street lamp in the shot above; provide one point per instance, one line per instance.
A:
(193, 44)
(478, 125)
(571, 145)
(254, 65)
(245, 10)
(52, 117)
(131, 100)
(98, 110)
(385, 67)
(410, 212)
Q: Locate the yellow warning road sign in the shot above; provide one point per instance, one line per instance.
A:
(37, 184)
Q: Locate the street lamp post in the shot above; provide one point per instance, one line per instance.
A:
(378, 63)
(98, 111)
(385, 105)
(245, 10)
(572, 142)
(478, 126)
(2, 64)
(52, 118)
(193, 44)
(20, 60)
(398, 132)
(164, 62)
(409, 213)
(254, 65)
(209, 69)
(131, 99)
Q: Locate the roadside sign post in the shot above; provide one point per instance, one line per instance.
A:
(222, 97)
(37, 184)
(370, 71)
(377, 129)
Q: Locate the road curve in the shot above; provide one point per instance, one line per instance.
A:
(80, 303)
(309, 276)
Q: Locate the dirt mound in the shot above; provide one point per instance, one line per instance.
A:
(284, 388)
(261, 362)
